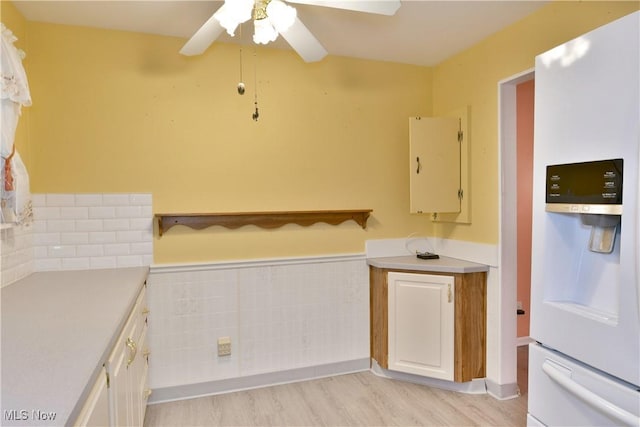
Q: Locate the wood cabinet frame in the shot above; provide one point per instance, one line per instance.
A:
(470, 320)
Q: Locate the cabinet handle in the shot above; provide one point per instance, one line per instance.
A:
(133, 349)
(419, 165)
(148, 392)
(145, 311)
(449, 294)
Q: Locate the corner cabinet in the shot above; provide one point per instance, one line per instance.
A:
(429, 323)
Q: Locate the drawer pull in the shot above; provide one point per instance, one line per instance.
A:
(133, 349)
(145, 311)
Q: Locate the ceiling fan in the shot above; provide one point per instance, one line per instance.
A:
(273, 17)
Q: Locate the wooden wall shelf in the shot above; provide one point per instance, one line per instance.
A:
(234, 220)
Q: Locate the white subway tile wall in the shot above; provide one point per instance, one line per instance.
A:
(87, 231)
(16, 253)
(279, 317)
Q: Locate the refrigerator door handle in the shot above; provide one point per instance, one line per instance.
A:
(598, 402)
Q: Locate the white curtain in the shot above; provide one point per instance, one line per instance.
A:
(15, 199)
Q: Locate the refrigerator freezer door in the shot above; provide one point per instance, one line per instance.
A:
(585, 304)
(563, 391)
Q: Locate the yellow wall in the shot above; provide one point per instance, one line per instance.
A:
(124, 112)
(15, 22)
(471, 78)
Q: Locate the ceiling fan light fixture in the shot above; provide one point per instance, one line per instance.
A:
(233, 13)
(280, 19)
(264, 31)
(282, 16)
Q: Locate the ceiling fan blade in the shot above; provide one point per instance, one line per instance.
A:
(303, 42)
(203, 38)
(381, 7)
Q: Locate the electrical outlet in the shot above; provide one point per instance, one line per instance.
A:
(224, 346)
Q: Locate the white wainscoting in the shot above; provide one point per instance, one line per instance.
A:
(288, 320)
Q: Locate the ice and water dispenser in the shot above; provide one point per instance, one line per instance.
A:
(582, 242)
(593, 190)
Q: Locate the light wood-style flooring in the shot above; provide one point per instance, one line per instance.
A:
(360, 399)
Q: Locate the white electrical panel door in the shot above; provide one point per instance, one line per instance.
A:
(434, 159)
(421, 324)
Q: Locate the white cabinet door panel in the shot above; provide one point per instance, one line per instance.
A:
(421, 324)
(95, 411)
(127, 370)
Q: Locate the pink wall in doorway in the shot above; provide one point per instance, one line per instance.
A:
(524, 130)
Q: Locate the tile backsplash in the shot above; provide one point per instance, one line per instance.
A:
(80, 231)
(16, 253)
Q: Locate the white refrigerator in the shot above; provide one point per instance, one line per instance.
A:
(584, 368)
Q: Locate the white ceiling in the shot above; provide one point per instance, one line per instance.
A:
(420, 33)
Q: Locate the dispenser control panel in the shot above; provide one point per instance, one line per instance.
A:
(587, 187)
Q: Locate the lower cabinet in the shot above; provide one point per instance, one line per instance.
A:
(119, 395)
(421, 324)
(429, 323)
(95, 411)
(127, 369)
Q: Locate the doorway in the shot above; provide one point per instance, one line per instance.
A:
(513, 178)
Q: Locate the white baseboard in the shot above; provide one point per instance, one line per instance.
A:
(524, 341)
(476, 386)
(190, 391)
(502, 391)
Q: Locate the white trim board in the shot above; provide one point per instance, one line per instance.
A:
(522, 341)
(502, 391)
(189, 391)
(475, 386)
(270, 262)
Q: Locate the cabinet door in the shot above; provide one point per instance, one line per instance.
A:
(421, 324)
(118, 386)
(127, 368)
(95, 411)
(120, 366)
(434, 161)
(138, 378)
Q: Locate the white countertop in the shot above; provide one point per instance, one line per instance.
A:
(58, 328)
(441, 265)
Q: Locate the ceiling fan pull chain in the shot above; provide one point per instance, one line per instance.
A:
(255, 85)
(241, 87)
